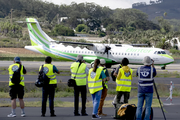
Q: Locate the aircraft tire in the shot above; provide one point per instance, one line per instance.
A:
(163, 68)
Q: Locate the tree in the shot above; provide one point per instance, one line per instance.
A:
(82, 27)
(62, 30)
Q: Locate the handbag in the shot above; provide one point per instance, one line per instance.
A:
(71, 82)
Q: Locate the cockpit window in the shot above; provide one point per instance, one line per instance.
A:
(163, 52)
(159, 52)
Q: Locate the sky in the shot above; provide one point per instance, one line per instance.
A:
(113, 4)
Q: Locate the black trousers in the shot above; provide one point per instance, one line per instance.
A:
(49, 90)
(119, 95)
(83, 91)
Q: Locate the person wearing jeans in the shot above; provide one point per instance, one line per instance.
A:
(146, 76)
(96, 101)
(95, 77)
(141, 98)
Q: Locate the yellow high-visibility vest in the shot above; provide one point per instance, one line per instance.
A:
(105, 83)
(124, 84)
(11, 72)
(80, 75)
(49, 72)
(94, 82)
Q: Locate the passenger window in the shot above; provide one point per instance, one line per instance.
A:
(88, 52)
(110, 52)
(134, 53)
(128, 53)
(138, 54)
(122, 53)
(119, 53)
(91, 52)
(125, 54)
(131, 53)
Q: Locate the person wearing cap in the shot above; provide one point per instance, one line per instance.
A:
(16, 90)
(146, 76)
(105, 87)
(49, 89)
(123, 81)
(79, 70)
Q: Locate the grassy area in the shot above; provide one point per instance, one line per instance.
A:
(62, 90)
(58, 103)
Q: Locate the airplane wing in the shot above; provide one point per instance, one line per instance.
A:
(75, 43)
(90, 46)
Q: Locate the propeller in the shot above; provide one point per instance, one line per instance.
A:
(107, 48)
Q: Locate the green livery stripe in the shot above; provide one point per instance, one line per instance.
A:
(34, 26)
(35, 36)
(33, 43)
(37, 31)
(165, 55)
(52, 55)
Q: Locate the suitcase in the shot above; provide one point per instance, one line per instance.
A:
(130, 112)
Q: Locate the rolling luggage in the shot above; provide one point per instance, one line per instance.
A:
(125, 111)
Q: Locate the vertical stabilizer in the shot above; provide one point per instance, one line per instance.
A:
(37, 35)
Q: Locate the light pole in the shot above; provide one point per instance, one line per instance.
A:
(58, 19)
(11, 16)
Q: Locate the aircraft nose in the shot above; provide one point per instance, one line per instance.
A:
(171, 59)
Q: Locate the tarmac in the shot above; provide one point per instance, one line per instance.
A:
(172, 111)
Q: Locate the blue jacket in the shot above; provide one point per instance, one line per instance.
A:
(146, 76)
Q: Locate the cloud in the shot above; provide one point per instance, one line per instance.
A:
(113, 4)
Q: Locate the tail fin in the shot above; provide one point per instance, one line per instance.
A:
(37, 35)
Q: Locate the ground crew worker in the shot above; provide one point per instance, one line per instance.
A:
(95, 78)
(123, 81)
(79, 70)
(49, 89)
(146, 76)
(105, 87)
(16, 90)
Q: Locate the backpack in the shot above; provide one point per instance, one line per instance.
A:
(16, 77)
(43, 79)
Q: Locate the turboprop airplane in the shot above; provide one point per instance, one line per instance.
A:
(113, 53)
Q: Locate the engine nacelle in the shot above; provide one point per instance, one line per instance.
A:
(97, 47)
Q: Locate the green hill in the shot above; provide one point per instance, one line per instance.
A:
(171, 7)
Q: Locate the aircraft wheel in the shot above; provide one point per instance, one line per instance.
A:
(108, 66)
(92, 65)
(163, 68)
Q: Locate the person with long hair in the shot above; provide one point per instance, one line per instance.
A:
(95, 77)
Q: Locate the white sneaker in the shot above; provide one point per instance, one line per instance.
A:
(11, 115)
(23, 114)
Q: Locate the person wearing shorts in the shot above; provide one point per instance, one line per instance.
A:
(16, 90)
